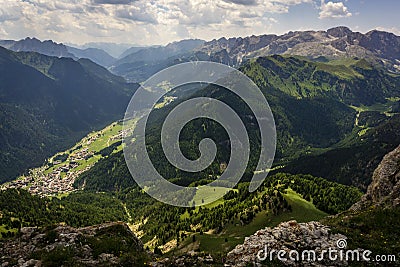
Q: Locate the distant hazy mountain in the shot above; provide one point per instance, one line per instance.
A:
(7, 43)
(145, 62)
(51, 48)
(133, 50)
(48, 103)
(115, 50)
(94, 54)
(159, 53)
(48, 47)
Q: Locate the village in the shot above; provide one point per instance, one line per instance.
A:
(57, 176)
(59, 181)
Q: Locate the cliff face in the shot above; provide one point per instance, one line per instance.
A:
(385, 187)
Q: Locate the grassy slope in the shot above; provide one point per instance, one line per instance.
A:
(303, 211)
(102, 142)
(234, 233)
(350, 80)
(206, 194)
(375, 229)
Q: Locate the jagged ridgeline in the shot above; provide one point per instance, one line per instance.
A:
(49, 103)
(329, 108)
(378, 47)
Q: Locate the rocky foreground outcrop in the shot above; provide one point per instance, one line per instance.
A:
(288, 236)
(63, 245)
(384, 190)
(192, 258)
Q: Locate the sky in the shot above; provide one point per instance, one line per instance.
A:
(148, 22)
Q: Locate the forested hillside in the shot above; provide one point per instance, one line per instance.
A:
(48, 103)
(321, 110)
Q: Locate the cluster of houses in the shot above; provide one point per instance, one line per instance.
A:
(91, 139)
(62, 177)
(83, 154)
(59, 181)
(121, 134)
(21, 183)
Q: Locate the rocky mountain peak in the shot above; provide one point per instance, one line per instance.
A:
(377, 33)
(339, 32)
(379, 47)
(47, 47)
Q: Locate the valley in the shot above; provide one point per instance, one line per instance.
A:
(68, 196)
(58, 102)
(57, 177)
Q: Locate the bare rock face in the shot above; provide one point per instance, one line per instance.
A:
(287, 236)
(385, 187)
(339, 32)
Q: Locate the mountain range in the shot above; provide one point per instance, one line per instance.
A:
(142, 63)
(139, 63)
(51, 48)
(378, 47)
(115, 50)
(48, 47)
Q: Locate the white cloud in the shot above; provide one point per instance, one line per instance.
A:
(9, 10)
(242, 2)
(72, 6)
(113, 2)
(394, 30)
(138, 21)
(333, 10)
(140, 12)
